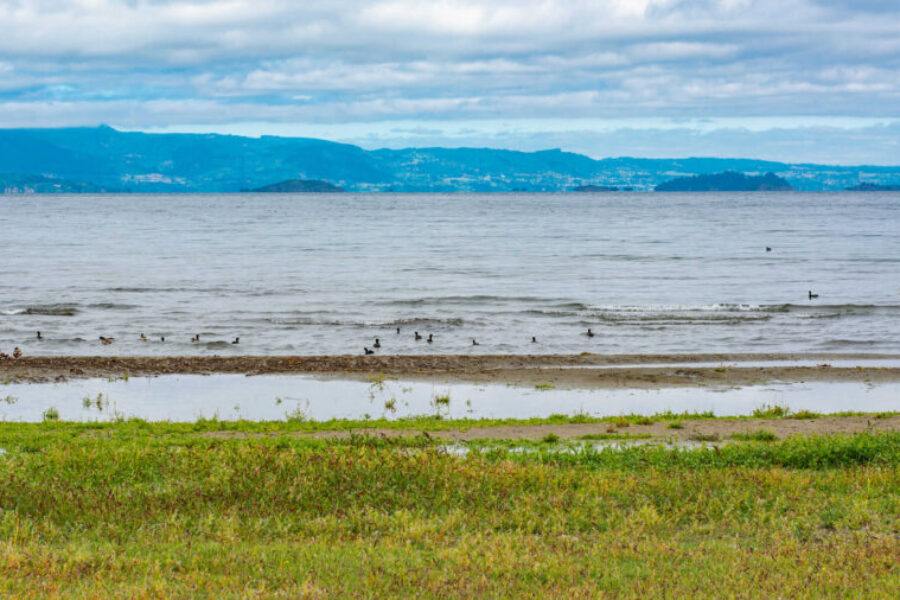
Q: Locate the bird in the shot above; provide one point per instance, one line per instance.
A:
(3, 355)
(237, 340)
(39, 336)
(17, 353)
(590, 333)
(474, 343)
(377, 343)
(195, 339)
(106, 341)
(430, 338)
(533, 340)
(162, 338)
(367, 351)
(811, 295)
(768, 248)
(398, 331)
(418, 337)
(143, 338)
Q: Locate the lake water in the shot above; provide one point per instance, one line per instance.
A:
(279, 397)
(327, 274)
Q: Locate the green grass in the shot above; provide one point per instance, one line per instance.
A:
(760, 435)
(161, 510)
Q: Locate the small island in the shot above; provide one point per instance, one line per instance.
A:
(729, 181)
(873, 187)
(294, 186)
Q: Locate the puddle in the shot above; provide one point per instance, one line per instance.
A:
(869, 363)
(277, 397)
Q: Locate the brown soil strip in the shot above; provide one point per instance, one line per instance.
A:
(722, 429)
(575, 371)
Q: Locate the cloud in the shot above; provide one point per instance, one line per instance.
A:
(155, 63)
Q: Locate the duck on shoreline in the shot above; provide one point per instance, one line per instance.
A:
(589, 333)
(237, 340)
(811, 295)
(17, 353)
(430, 338)
(418, 337)
(377, 343)
(143, 338)
(106, 341)
(368, 351)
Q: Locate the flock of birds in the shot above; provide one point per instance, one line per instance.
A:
(418, 336)
(106, 341)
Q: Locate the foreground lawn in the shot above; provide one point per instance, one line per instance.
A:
(136, 510)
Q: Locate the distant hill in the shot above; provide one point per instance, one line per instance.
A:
(16, 183)
(298, 186)
(729, 181)
(871, 187)
(106, 159)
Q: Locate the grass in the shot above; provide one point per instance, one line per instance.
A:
(760, 435)
(164, 510)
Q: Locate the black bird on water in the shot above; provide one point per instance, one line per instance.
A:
(162, 338)
(398, 331)
(39, 336)
(811, 295)
(474, 343)
(377, 343)
(367, 351)
(768, 248)
(237, 340)
(195, 339)
(533, 340)
(590, 333)
(430, 338)
(418, 337)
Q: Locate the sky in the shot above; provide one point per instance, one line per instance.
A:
(792, 80)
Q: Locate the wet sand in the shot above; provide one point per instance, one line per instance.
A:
(565, 371)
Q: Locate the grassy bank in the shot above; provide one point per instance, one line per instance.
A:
(163, 510)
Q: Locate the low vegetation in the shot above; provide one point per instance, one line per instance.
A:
(161, 510)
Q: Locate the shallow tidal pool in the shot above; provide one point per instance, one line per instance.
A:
(278, 397)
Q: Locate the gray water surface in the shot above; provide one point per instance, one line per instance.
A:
(277, 397)
(327, 274)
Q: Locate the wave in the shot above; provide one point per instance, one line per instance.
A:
(112, 306)
(423, 322)
(52, 310)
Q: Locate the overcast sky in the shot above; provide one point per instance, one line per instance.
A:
(798, 80)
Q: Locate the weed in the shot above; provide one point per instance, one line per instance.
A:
(442, 400)
(543, 387)
(621, 422)
(390, 404)
(50, 415)
(760, 435)
(9, 400)
(804, 414)
(772, 411)
(675, 425)
(704, 437)
(550, 438)
(642, 421)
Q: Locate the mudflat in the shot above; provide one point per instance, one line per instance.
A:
(575, 371)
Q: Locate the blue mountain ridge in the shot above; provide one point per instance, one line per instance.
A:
(102, 158)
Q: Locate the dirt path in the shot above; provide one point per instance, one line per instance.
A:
(703, 429)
